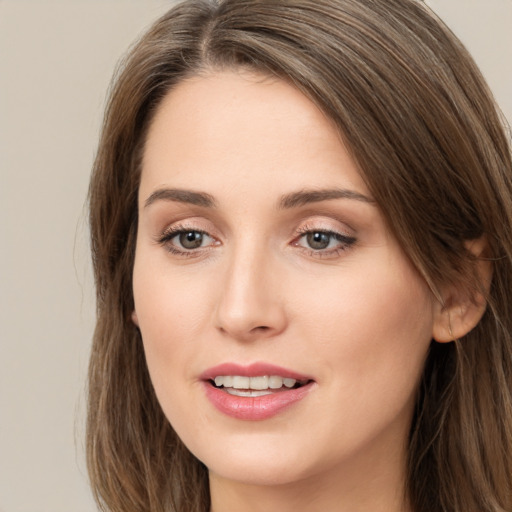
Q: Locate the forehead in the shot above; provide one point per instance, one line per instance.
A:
(231, 128)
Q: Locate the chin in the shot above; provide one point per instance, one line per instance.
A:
(257, 460)
(248, 472)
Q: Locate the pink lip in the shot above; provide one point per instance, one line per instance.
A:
(253, 408)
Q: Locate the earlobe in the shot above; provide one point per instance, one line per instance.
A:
(135, 318)
(462, 309)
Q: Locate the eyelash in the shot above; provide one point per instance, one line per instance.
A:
(345, 241)
(173, 232)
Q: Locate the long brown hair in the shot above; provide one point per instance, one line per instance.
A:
(420, 122)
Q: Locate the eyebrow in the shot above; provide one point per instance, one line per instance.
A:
(181, 196)
(303, 197)
(288, 201)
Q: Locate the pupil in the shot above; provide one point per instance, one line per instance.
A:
(191, 240)
(318, 240)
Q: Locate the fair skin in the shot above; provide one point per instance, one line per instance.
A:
(253, 271)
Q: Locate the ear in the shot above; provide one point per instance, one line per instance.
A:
(462, 309)
(135, 318)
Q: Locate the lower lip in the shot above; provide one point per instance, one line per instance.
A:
(255, 408)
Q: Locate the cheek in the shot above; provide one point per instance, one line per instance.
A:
(372, 327)
(369, 333)
(371, 302)
(169, 301)
(171, 310)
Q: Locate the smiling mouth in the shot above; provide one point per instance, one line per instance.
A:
(243, 386)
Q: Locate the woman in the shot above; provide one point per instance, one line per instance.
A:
(300, 219)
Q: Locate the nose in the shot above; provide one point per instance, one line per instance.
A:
(251, 304)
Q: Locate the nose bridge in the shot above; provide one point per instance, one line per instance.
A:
(250, 303)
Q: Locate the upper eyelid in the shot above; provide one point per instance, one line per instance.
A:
(188, 225)
(321, 223)
(322, 229)
(326, 226)
(175, 230)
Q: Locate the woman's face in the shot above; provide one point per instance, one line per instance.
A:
(263, 265)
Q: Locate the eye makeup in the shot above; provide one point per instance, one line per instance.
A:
(189, 239)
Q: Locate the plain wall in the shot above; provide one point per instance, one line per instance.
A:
(56, 59)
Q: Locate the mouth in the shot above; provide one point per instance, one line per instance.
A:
(255, 392)
(261, 385)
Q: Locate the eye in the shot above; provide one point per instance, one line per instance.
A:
(324, 242)
(184, 241)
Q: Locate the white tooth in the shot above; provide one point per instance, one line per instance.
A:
(228, 381)
(289, 383)
(219, 381)
(240, 382)
(275, 382)
(259, 382)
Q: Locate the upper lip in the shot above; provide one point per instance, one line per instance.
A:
(252, 370)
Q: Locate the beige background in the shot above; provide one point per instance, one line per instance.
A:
(56, 59)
